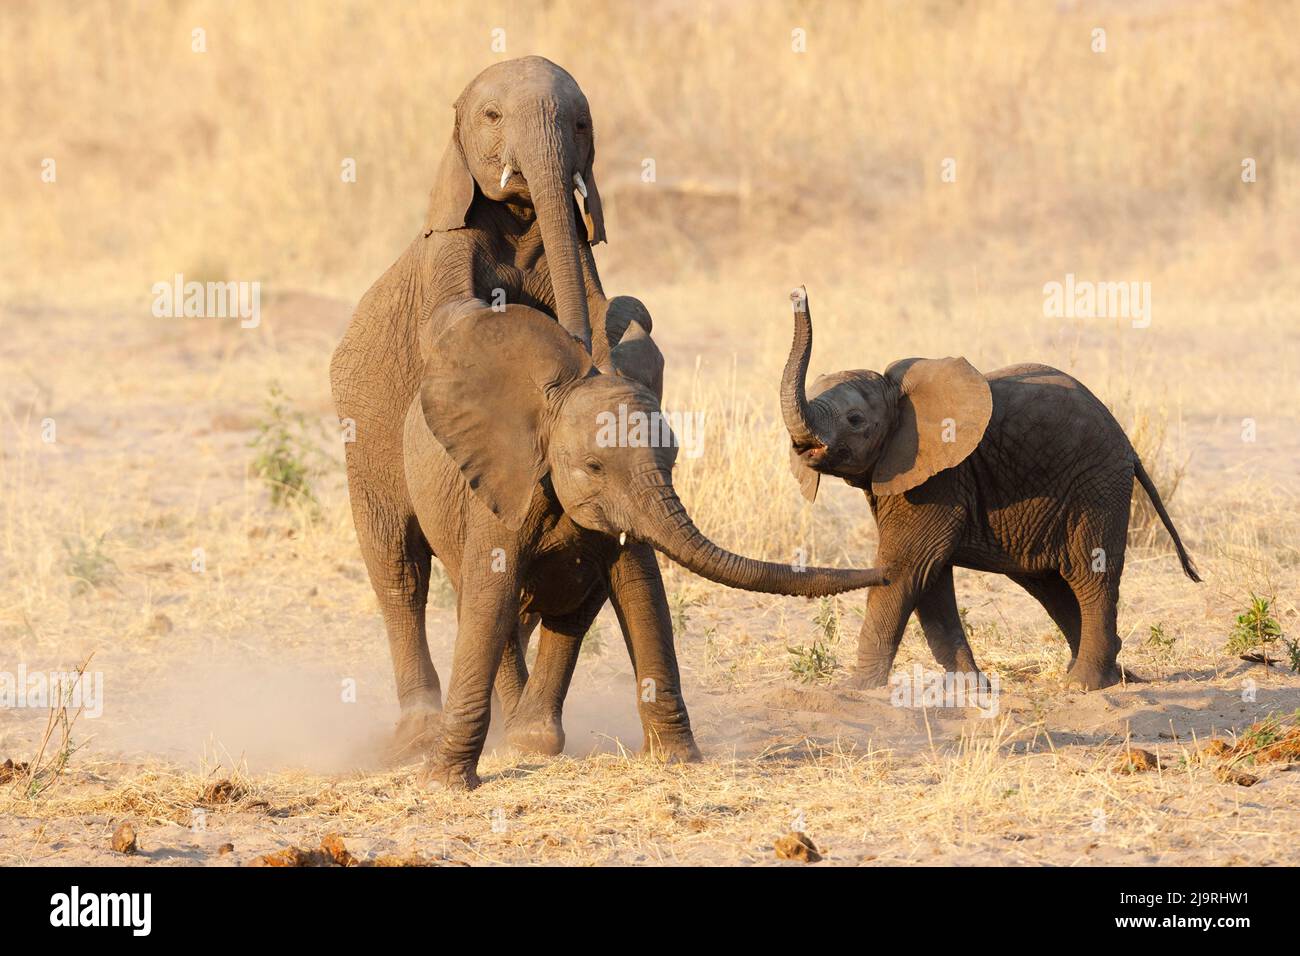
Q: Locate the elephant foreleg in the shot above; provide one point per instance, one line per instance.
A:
(637, 593)
(487, 615)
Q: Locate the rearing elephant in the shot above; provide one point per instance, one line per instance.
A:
(502, 223)
(537, 506)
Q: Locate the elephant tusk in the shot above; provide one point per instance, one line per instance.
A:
(506, 173)
(622, 538)
(582, 187)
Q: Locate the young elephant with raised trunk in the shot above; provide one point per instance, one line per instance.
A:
(538, 510)
(1022, 472)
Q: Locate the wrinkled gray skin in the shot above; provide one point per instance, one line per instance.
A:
(521, 493)
(1021, 472)
(525, 242)
(482, 241)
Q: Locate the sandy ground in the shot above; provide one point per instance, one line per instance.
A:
(240, 671)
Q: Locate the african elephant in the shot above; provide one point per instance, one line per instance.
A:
(1022, 472)
(537, 506)
(502, 226)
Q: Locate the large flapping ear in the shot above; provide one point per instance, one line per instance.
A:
(488, 383)
(809, 480)
(593, 212)
(453, 189)
(944, 406)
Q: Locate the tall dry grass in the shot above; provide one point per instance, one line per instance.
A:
(227, 163)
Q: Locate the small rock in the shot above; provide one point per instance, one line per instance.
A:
(1216, 748)
(333, 846)
(124, 839)
(223, 791)
(1136, 761)
(225, 849)
(9, 770)
(796, 845)
(161, 624)
(1228, 775)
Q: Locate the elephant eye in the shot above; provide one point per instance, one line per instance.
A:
(856, 420)
(593, 466)
(581, 125)
(492, 114)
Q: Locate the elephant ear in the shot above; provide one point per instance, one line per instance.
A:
(593, 213)
(809, 480)
(489, 381)
(453, 190)
(943, 408)
(636, 356)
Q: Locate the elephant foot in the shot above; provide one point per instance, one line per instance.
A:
(674, 749)
(866, 677)
(417, 733)
(1084, 676)
(439, 775)
(539, 737)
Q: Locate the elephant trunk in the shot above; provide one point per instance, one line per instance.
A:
(664, 523)
(794, 401)
(550, 170)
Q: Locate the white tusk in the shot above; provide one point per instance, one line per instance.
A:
(582, 187)
(505, 175)
(622, 538)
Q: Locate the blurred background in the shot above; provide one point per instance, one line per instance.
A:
(226, 163)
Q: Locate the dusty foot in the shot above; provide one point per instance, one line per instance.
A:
(417, 733)
(677, 749)
(443, 776)
(1085, 676)
(865, 678)
(537, 738)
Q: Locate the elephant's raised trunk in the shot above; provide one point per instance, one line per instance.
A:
(664, 523)
(549, 170)
(794, 401)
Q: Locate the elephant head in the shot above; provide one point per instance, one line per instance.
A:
(523, 136)
(888, 432)
(513, 400)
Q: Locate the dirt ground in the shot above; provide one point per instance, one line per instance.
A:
(239, 671)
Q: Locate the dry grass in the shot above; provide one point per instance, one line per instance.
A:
(774, 168)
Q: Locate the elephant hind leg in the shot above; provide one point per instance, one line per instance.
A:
(1094, 578)
(512, 676)
(1057, 598)
(941, 622)
(536, 725)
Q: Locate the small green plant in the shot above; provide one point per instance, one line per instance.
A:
(813, 665)
(593, 642)
(1160, 640)
(88, 565)
(828, 619)
(679, 605)
(441, 592)
(1255, 629)
(1293, 654)
(284, 451)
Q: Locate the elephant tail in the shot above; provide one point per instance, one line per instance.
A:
(1150, 486)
